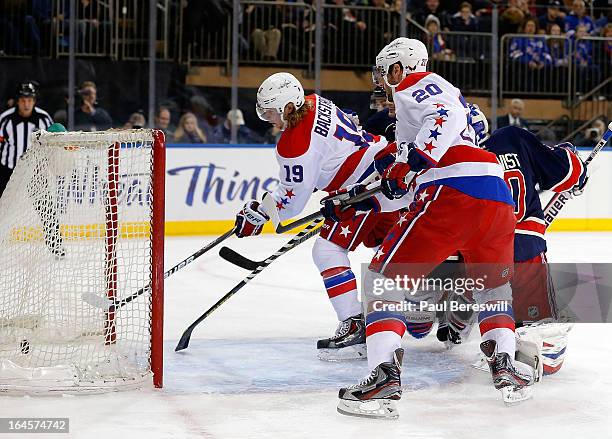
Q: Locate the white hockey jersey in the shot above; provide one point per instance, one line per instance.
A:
(325, 151)
(432, 114)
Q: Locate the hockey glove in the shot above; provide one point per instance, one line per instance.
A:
(332, 209)
(393, 184)
(385, 157)
(250, 220)
(578, 189)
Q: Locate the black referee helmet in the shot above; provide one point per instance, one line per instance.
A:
(27, 89)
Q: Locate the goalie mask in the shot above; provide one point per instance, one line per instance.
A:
(411, 54)
(275, 93)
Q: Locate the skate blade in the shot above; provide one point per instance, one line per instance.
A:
(373, 409)
(355, 352)
(481, 364)
(512, 396)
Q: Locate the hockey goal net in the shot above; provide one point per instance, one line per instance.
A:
(81, 230)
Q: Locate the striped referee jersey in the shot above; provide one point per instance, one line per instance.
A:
(15, 133)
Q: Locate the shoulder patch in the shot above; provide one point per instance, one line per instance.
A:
(411, 79)
(295, 141)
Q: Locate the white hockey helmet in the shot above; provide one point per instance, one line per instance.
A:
(478, 121)
(276, 92)
(410, 53)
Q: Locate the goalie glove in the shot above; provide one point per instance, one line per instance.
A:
(333, 210)
(250, 220)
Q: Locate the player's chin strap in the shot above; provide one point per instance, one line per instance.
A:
(556, 203)
(269, 205)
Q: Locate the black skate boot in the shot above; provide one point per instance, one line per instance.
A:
(375, 395)
(348, 343)
(512, 378)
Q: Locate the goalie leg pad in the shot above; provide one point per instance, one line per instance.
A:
(544, 344)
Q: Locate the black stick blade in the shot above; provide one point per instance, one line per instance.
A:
(184, 341)
(237, 259)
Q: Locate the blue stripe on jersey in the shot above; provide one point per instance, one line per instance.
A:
(482, 315)
(367, 173)
(484, 187)
(338, 279)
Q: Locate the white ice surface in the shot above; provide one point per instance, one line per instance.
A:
(251, 369)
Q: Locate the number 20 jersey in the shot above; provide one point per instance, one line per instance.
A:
(325, 151)
(529, 165)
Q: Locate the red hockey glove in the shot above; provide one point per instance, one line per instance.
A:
(385, 157)
(393, 184)
(250, 220)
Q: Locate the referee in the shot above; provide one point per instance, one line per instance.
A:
(16, 125)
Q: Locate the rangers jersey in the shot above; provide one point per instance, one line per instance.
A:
(433, 116)
(530, 165)
(325, 151)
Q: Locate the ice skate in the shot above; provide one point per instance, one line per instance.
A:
(375, 395)
(348, 343)
(512, 378)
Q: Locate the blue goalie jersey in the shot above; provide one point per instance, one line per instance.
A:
(530, 165)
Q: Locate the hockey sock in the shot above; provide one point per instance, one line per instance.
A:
(341, 289)
(497, 324)
(384, 331)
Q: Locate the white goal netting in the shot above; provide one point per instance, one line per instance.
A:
(76, 237)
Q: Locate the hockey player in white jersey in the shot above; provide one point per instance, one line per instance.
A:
(321, 148)
(461, 204)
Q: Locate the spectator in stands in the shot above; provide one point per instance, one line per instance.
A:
(606, 32)
(513, 117)
(432, 7)
(346, 30)
(188, 130)
(207, 119)
(93, 25)
(223, 132)
(90, 117)
(136, 121)
(262, 22)
(591, 135)
(607, 47)
(530, 50)
(513, 16)
(558, 47)
(464, 20)
(163, 119)
(578, 17)
(586, 69)
(436, 41)
(378, 32)
(553, 15)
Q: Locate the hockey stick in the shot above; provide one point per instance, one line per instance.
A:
(269, 206)
(106, 303)
(556, 203)
(310, 231)
(242, 261)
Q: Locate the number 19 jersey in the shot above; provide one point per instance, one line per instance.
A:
(325, 151)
